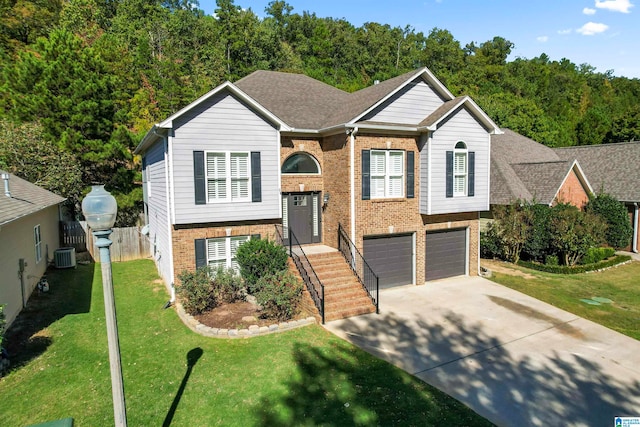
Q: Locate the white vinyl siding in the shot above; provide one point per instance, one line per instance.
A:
(228, 177)
(157, 211)
(221, 252)
(225, 124)
(409, 106)
(387, 174)
(37, 237)
(462, 126)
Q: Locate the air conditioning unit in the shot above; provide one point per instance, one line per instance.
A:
(65, 257)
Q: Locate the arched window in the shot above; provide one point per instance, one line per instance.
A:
(301, 163)
(460, 169)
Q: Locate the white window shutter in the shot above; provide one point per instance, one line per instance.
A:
(378, 161)
(396, 163)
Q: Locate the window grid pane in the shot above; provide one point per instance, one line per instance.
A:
(387, 173)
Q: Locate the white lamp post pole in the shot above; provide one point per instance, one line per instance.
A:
(100, 208)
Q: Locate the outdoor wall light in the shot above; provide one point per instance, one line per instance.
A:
(325, 198)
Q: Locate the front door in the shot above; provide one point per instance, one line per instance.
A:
(301, 212)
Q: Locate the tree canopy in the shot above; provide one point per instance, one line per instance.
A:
(96, 74)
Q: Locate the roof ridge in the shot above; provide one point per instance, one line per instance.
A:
(608, 144)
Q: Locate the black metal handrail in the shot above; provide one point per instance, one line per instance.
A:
(308, 274)
(358, 264)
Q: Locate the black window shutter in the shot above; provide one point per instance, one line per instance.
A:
(255, 237)
(366, 173)
(472, 173)
(201, 253)
(410, 175)
(449, 173)
(199, 178)
(256, 177)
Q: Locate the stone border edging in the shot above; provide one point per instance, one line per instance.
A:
(252, 331)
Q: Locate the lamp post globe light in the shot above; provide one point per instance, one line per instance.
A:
(99, 208)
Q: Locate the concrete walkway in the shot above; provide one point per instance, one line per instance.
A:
(513, 359)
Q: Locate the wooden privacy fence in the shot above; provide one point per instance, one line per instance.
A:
(128, 242)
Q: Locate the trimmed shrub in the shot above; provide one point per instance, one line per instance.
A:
(595, 255)
(551, 260)
(227, 286)
(279, 295)
(575, 269)
(512, 226)
(614, 213)
(573, 232)
(196, 290)
(260, 257)
(490, 244)
(537, 245)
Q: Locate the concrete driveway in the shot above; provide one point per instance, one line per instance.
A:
(511, 358)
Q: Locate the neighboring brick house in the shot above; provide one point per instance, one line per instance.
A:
(523, 169)
(403, 166)
(29, 232)
(613, 169)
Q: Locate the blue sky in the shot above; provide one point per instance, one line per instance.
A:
(602, 33)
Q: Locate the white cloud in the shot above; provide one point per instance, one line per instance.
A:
(542, 39)
(588, 11)
(591, 28)
(615, 5)
(565, 32)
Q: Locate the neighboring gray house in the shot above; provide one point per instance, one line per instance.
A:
(401, 166)
(614, 169)
(29, 230)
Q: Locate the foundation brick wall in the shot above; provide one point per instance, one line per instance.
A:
(402, 215)
(573, 192)
(184, 254)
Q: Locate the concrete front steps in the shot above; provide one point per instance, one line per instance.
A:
(343, 293)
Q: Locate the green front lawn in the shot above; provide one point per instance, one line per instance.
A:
(620, 284)
(302, 377)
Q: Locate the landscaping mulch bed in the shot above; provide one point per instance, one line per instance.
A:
(236, 315)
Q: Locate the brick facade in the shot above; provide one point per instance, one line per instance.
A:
(373, 217)
(183, 238)
(402, 215)
(573, 192)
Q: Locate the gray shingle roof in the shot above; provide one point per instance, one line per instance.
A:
(298, 100)
(543, 179)
(305, 103)
(614, 168)
(440, 112)
(522, 168)
(26, 198)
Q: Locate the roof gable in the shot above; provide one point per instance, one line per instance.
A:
(26, 198)
(522, 168)
(612, 168)
(451, 107)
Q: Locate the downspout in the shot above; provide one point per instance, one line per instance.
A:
(634, 244)
(352, 182)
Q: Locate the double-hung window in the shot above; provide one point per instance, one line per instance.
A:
(221, 252)
(387, 173)
(460, 169)
(228, 176)
(37, 238)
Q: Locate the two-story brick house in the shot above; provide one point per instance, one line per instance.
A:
(402, 166)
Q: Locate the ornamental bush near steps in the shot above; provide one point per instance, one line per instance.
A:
(205, 289)
(258, 258)
(279, 295)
